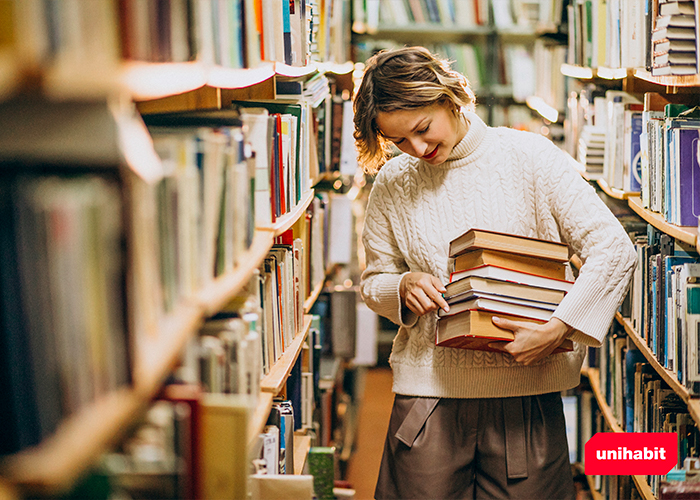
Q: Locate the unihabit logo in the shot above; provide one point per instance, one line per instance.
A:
(622, 453)
(636, 453)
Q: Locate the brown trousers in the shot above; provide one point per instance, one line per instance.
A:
(512, 448)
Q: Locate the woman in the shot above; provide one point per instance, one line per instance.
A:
(474, 424)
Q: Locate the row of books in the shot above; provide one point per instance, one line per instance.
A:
(229, 33)
(650, 148)
(460, 13)
(195, 443)
(494, 273)
(503, 14)
(674, 39)
(514, 68)
(63, 315)
(660, 36)
(670, 182)
(203, 206)
(642, 402)
(664, 300)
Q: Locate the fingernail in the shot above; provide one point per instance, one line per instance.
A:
(496, 319)
(446, 309)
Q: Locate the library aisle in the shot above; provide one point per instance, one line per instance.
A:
(375, 410)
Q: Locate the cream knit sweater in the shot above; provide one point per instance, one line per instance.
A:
(503, 180)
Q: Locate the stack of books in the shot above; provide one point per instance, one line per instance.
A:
(591, 150)
(514, 277)
(675, 39)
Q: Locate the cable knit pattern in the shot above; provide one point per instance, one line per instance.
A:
(503, 180)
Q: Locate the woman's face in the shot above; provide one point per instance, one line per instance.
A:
(428, 133)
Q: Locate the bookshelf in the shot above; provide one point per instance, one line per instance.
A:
(594, 379)
(65, 114)
(668, 376)
(686, 234)
(274, 381)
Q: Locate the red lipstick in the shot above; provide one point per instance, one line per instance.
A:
(431, 154)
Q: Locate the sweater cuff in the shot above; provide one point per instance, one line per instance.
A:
(589, 313)
(407, 317)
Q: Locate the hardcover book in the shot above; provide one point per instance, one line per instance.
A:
(481, 257)
(479, 284)
(494, 240)
(473, 329)
(504, 273)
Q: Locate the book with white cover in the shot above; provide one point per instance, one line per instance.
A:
(503, 273)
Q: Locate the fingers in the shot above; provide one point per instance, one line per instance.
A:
(504, 323)
(422, 293)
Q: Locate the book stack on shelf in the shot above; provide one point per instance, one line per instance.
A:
(671, 182)
(622, 159)
(591, 150)
(675, 39)
(637, 398)
(516, 277)
(664, 305)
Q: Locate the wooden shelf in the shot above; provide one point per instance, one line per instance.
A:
(311, 299)
(302, 445)
(216, 295)
(237, 78)
(157, 352)
(594, 379)
(687, 234)
(58, 462)
(146, 81)
(614, 192)
(668, 376)
(274, 381)
(259, 417)
(287, 220)
(668, 81)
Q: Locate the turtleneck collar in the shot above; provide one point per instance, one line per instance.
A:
(476, 130)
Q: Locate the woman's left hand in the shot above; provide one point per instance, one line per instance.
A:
(533, 341)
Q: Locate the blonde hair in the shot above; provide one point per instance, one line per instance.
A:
(402, 79)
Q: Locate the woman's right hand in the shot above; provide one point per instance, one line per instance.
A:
(422, 293)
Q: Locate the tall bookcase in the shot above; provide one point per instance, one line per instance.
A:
(75, 110)
(599, 62)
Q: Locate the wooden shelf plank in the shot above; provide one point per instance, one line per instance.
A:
(643, 487)
(275, 380)
(668, 81)
(57, 462)
(235, 78)
(687, 234)
(259, 417)
(302, 445)
(158, 352)
(146, 81)
(217, 294)
(311, 299)
(668, 376)
(594, 379)
(614, 192)
(289, 219)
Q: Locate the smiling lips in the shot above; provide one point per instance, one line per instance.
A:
(431, 154)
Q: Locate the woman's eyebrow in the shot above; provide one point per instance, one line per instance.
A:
(415, 127)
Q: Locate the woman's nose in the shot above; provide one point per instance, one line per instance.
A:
(420, 147)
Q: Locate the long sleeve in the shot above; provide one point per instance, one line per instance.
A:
(386, 264)
(596, 236)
